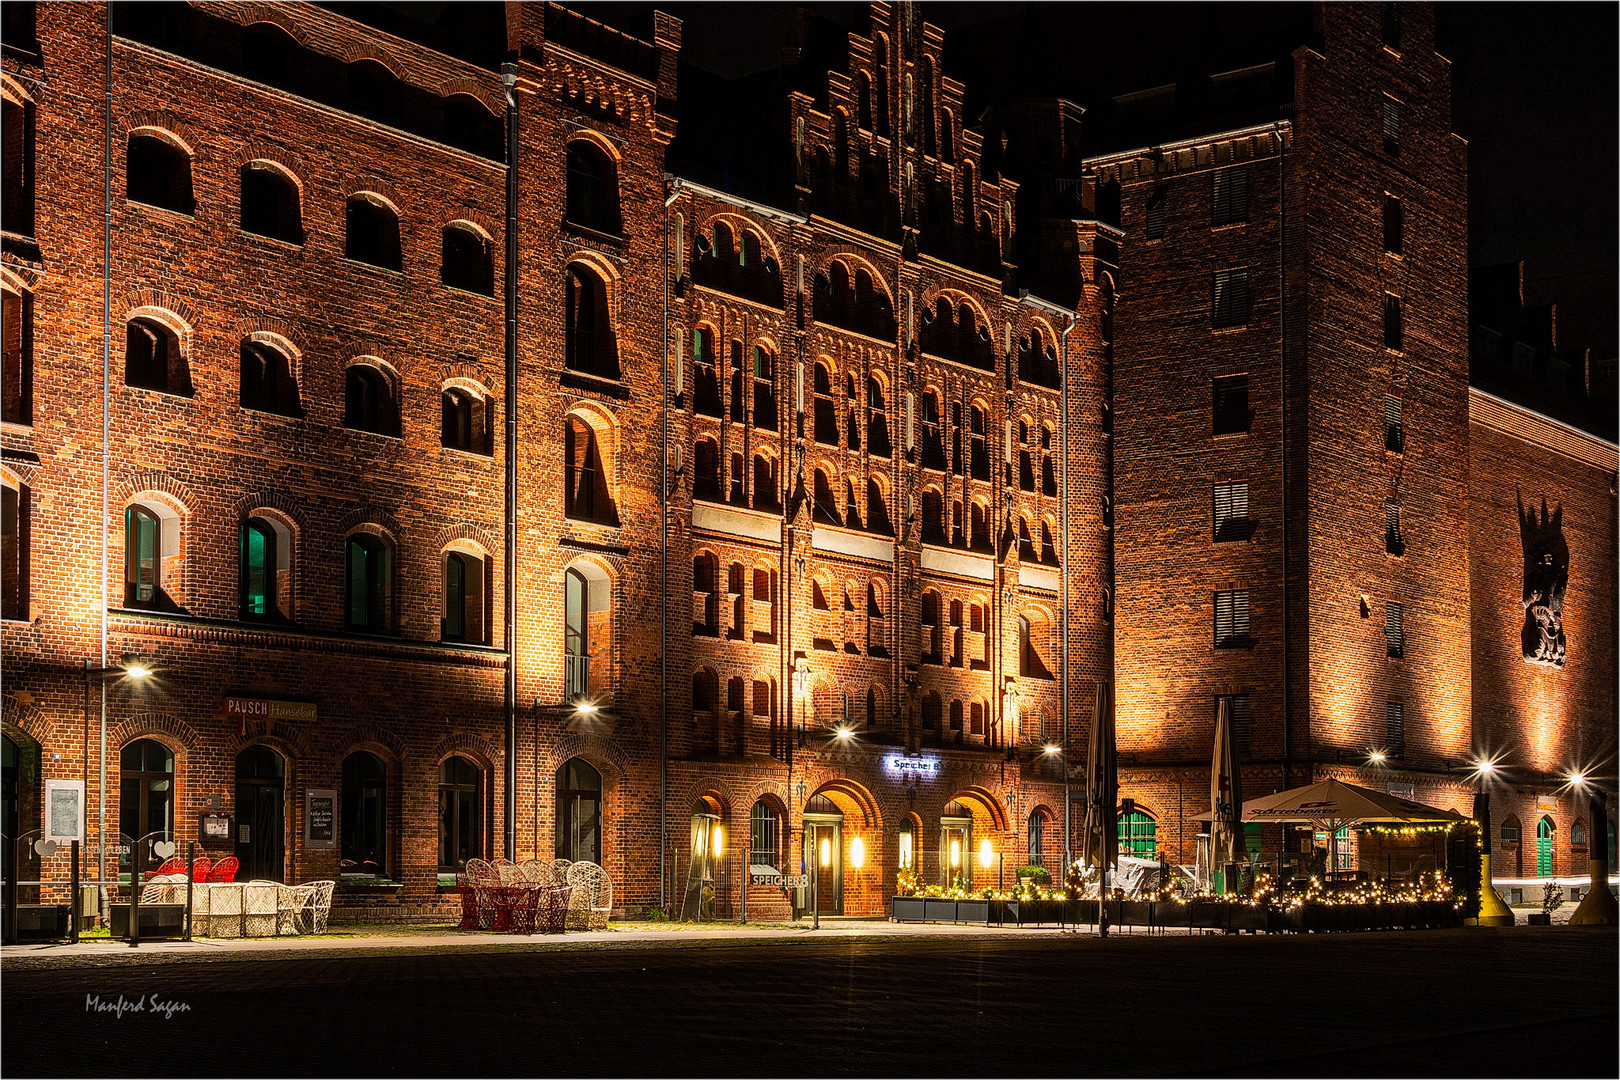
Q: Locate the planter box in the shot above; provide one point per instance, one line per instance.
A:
(973, 911)
(42, 922)
(1538, 918)
(939, 910)
(157, 920)
(908, 908)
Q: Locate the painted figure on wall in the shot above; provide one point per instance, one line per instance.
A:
(1546, 575)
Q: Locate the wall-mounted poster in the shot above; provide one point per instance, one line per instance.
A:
(320, 818)
(64, 810)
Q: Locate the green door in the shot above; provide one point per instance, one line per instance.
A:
(1544, 839)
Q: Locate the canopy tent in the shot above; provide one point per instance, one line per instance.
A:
(1331, 805)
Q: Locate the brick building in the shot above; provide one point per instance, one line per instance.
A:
(935, 422)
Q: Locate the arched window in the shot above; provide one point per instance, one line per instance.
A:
(593, 188)
(372, 90)
(466, 263)
(877, 510)
(145, 795)
(930, 623)
(705, 373)
(906, 845)
(588, 496)
(933, 451)
(1544, 847)
(1037, 838)
(371, 233)
(466, 599)
(587, 633)
(265, 561)
(1138, 835)
(933, 518)
(270, 203)
(1049, 554)
(368, 583)
(826, 414)
(265, 48)
(267, 380)
(877, 419)
(589, 343)
(1026, 543)
(470, 126)
(931, 716)
(765, 837)
(464, 421)
(159, 174)
(979, 538)
(1033, 644)
(364, 824)
(461, 804)
(705, 718)
(739, 401)
(579, 812)
(15, 536)
(153, 358)
(1048, 473)
(826, 508)
(852, 509)
(151, 556)
(979, 453)
(705, 598)
(766, 494)
(764, 389)
(368, 401)
(706, 470)
(17, 363)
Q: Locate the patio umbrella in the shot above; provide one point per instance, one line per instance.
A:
(1225, 793)
(1331, 805)
(1099, 845)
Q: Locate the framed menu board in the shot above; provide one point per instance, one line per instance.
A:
(320, 818)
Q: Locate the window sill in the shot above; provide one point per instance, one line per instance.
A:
(1230, 434)
(468, 292)
(589, 233)
(590, 382)
(1229, 328)
(266, 414)
(170, 211)
(1235, 643)
(378, 434)
(1221, 226)
(481, 455)
(160, 391)
(249, 234)
(385, 271)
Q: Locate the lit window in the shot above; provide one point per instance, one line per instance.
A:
(367, 560)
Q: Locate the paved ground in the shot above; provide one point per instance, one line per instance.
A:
(851, 999)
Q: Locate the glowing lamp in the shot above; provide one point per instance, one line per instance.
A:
(585, 708)
(1376, 757)
(986, 856)
(1577, 778)
(826, 853)
(1050, 748)
(844, 734)
(956, 853)
(857, 853)
(718, 842)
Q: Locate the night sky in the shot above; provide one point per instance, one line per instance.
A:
(1534, 93)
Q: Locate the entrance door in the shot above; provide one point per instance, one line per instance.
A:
(261, 778)
(1544, 852)
(955, 846)
(824, 854)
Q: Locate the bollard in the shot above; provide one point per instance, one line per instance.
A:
(135, 895)
(73, 896)
(191, 875)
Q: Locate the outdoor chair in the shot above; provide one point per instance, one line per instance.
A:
(592, 899)
(290, 901)
(535, 872)
(469, 903)
(481, 877)
(224, 871)
(317, 905)
(160, 889)
(508, 873)
(260, 908)
(174, 864)
(201, 867)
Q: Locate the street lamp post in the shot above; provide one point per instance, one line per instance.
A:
(1492, 912)
(130, 666)
(1597, 907)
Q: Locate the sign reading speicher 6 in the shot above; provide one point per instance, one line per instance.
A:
(911, 766)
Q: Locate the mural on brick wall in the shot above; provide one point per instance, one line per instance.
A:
(1546, 575)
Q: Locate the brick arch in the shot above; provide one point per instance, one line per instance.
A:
(713, 787)
(356, 51)
(159, 481)
(246, 15)
(365, 736)
(271, 499)
(741, 223)
(276, 734)
(858, 795)
(594, 749)
(20, 279)
(180, 734)
(466, 368)
(19, 473)
(374, 185)
(165, 122)
(472, 219)
(464, 530)
(24, 718)
(14, 91)
(598, 140)
(856, 261)
(957, 298)
(297, 168)
(465, 743)
(986, 800)
(477, 89)
(136, 299)
(248, 327)
(370, 515)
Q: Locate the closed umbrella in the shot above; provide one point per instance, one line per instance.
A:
(1226, 845)
(1099, 845)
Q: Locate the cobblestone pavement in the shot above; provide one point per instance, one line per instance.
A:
(852, 999)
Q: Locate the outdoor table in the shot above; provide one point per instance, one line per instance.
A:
(505, 898)
(554, 908)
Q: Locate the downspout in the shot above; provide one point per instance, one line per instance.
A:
(1063, 509)
(1282, 373)
(663, 552)
(509, 592)
(106, 439)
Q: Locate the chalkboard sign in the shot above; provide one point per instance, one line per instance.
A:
(320, 818)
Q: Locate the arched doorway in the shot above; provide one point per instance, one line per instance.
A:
(1544, 847)
(579, 812)
(13, 788)
(956, 845)
(261, 823)
(145, 796)
(707, 846)
(824, 855)
(365, 815)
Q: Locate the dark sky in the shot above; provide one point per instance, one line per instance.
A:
(1535, 93)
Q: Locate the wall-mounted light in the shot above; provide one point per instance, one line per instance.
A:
(956, 854)
(986, 855)
(844, 734)
(1375, 757)
(1051, 748)
(826, 853)
(585, 707)
(857, 853)
(718, 843)
(135, 666)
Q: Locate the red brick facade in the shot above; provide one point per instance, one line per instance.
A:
(918, 511)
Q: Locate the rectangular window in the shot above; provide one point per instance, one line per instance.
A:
(1242, 720)
(1394, 637)
(1392, 225)
(762, 698)
(1231, 404)
(1231, 201)
(1231, 617)
(1392, 127)
(1232, 511)
(1158, 205)
(1394, 435)
(1394, 543)
(1395, 729)
(1231, 304)
(1392, 322)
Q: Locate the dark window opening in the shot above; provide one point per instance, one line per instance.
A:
(1232, 511)
(1231, 404)
(270, 204)
(17, 362)
(826, 503)
(17, 166)
(764, 390)
(267, 380)
(589, 343)
(766, 495)
(1392, 323)
(1231, 298)
(364, 824)
(265, 53)
(1394, 434)
(469, 126)
(1392, 224)
(371, 234)
(1392, 127)
(1158, 209)
(153, 359)
(579, 812)
(368, 582)
(593, 189)
(705, 374)
(587, 495)
(466, 599)
(1394, 634)
(372, 91)
(368, 401)
(1231, 618)
(706, 470)
(466, 262)
(14, 552)
(1390, 24)
(464, 422)
(159, 175)
(1395, 729)
(461, 802)
(1231, 195)
(146, 796)
(1394, 541)
(1241, 719)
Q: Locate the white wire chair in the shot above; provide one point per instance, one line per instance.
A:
(592, 900)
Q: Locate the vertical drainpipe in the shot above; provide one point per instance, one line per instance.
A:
(1282, 378)
(509, 593)
(674, 185)
(106, 437)
(1063, 508)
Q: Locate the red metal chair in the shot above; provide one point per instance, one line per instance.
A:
(174, 864)
(201, 867)
(224, 871)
